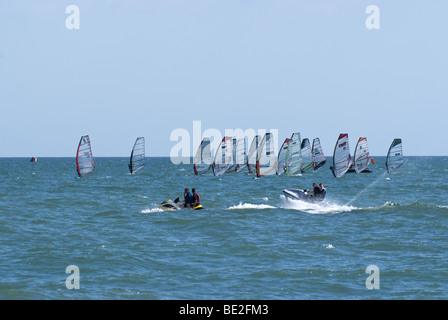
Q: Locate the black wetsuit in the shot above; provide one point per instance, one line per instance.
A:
(320, 194)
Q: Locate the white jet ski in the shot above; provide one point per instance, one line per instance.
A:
(303, 195)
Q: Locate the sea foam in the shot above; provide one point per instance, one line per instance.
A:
(250, 206)
(315, 208)
(151, 210)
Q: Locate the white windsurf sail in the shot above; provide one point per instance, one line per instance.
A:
(137, 160)
(203, 158)
(252, 155)
(223, 157)
(241, 154)
(233, 166)
(395, 157)
(307, 158)
(266, 158)
(361, 155)
(318, 154)
(294, 154)
(281, 162)
(84, 157)
(341, 156)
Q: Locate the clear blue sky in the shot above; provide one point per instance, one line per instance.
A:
(146, 68)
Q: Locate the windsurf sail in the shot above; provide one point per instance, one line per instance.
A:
(266, 158)
(137, 159)
(203, 158)
(341, 156)
(361, 155)
(233, 166)
(318, 154)
(394, 158)
(223, 157)
(84, 158)
(241, 154)
(252, 155)
(307, 158)
(281, 162)
(294, 154)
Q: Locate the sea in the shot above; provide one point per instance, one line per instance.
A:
(376, 236)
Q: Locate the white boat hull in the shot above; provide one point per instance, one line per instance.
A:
(300, 194)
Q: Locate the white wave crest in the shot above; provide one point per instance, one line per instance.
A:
(323, 207)
(391, 204)
(250, 206)
(151, 210)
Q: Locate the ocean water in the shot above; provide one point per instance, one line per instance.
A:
(249, 242)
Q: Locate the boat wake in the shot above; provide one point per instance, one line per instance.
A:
(250, 206)
(368, 188)
(323, 207)
(151, 210)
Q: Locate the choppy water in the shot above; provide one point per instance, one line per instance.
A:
(249, 242)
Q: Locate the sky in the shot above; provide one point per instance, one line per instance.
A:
(155, 68)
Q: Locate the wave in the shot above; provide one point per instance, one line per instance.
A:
(323, 207)
(250, 206)
(151, 210)
(413, 205)
(390, 204)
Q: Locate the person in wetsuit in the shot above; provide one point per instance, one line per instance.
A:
(316, 189)
(196, 198)
(322, 192)
(312, 194)
(188, 199)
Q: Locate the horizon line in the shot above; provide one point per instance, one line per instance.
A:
(191, 157)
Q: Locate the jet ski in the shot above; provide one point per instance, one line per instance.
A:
(303, 195)
(170, 205)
